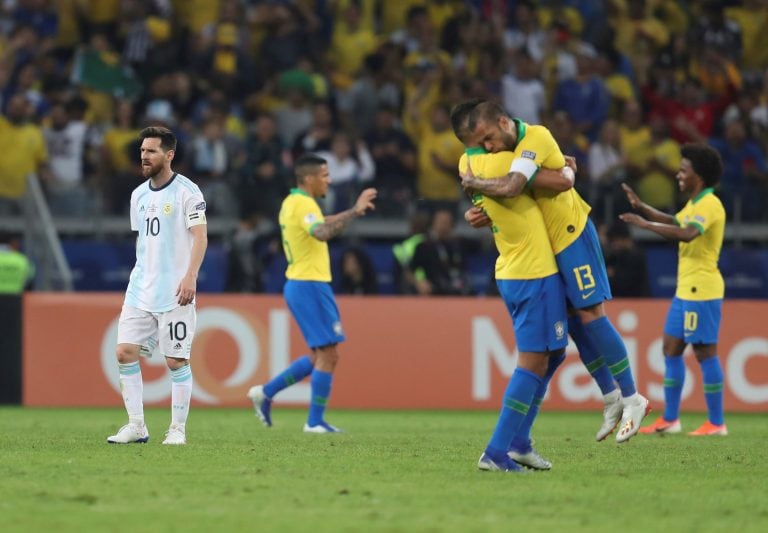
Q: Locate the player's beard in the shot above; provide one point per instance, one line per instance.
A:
(151, 171)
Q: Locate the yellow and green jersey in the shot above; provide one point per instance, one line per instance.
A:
(565, 213)
(518, 226)
(307, 257)
(698, 277)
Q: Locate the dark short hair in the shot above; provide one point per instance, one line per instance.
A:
(307, 164)
(705, 160)
(166, 136)
(488, 112)
(460, 117)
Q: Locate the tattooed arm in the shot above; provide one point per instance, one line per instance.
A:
(335, 224)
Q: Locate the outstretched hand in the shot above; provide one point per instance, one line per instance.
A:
(364, 202)
(477, 218)
(632, 218)
(634, 199)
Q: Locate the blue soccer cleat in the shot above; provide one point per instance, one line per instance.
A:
(261, 404)
(506, 464)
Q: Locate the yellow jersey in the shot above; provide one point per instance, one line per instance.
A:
(565, 213)
(698, 277)
(518, 226)
(307, 257)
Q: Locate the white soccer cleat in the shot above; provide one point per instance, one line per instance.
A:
(611, 414)
(635, 410)
(322, 427)
(530, 459)
(261, 404)
(175, 435)
(130, 433)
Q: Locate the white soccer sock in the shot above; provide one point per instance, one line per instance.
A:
(181, 392)
(132, 389)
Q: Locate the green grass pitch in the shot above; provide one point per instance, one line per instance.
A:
(390, 471)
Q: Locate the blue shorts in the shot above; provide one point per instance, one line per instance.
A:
(313, 306)
(694, 322)
(538, 312)
(582, 267)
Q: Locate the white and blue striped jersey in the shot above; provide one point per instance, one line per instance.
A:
(162, 217)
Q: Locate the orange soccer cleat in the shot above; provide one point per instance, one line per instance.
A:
(708, 428)
(662, 426)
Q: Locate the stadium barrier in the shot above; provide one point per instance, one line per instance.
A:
(401, 353)
(10, 349)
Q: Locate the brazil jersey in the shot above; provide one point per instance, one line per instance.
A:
(698, 277)
(518, 226)
(565, 213)
(307, 257)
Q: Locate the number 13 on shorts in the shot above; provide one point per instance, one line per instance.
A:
(584, 278)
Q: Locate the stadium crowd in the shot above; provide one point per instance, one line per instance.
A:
(247, 86)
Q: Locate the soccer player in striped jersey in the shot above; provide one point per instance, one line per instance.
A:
(694, 316)
(577, 251)
(168, 214)
(307, 291)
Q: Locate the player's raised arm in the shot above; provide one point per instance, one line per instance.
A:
(648, 212)
(336, 224)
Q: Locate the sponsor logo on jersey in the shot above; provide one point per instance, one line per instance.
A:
(167, 209)
(528, 154)
(177, 346)
(141, 209)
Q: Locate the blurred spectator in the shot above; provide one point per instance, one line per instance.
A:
(394, 157)
(714, 30)
(439, 150)
(522, 91)
(571, 142)
(635, 137)
(657, 183)
(752, 19)
(523, 31)
(639, 35)
(743, 186)
(118, 169)
(691, 115)
(374, 88)
(319, 135)
(214, 165)
(607, 166)
(584, 97)
(65, 139)
(289, 38)
(350, 44)
(404, 277)
(625, 263)
(357, 273)
(438, 262)
(24, 152)
(350, 165)
(264, 178)
(16, 270)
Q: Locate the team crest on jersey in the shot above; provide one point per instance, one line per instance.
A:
(559, 329)
(311, 218)
(528, 154)
(167, 209)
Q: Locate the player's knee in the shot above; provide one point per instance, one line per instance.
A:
(127, 353)
(174, 363)
(593, 312)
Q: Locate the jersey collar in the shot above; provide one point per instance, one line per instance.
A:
(163, 186)
(475, 150)
(702, 194)
(521, 129)
(296, 190)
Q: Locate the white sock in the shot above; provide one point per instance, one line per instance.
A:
(631, 399)
(181, 392)
(612, 397)
(132, 389)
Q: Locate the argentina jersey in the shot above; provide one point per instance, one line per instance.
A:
(162, 218)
